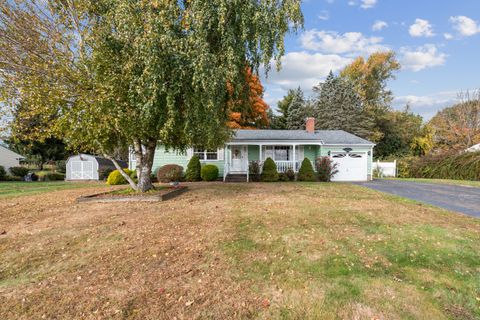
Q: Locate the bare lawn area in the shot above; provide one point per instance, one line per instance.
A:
(237, 251)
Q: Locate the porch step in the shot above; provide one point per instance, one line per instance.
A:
(236, 178)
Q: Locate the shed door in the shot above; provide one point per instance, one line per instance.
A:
(82, 170)
(352, 166)
(76, 170)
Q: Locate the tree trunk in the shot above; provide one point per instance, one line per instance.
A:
(144, 154)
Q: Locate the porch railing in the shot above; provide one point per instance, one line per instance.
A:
(284, 166)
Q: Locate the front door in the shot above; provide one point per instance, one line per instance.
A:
(238, 159)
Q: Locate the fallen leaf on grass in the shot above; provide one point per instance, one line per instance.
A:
(189, 303)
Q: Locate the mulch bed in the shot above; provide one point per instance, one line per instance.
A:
(161, 195)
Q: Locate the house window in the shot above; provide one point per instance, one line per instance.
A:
(281, 153)
(205, 154)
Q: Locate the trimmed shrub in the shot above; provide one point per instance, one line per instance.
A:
(326, 168)
(254, 171)
(18, 171)
(209, 172)
(104, 173)
(3, 173)
(306, 172)
(269, 172)
(290, 174)
(282, 176)
(170, 173)
(115, 177)
(194, 169)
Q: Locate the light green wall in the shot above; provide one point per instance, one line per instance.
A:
(310, 152)
(253, 153)
(163, 157)
(325, 149)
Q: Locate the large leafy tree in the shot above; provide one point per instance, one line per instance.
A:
(133, 72)
(403, 134)
(458, 127)
(370, 78)
(250, 111)
(339, 107)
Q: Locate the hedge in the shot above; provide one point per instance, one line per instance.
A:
(464, 166)
(269, 171)
(194, 169)
(209, 172)
(170, 173)
(306, 172)
(116, 178)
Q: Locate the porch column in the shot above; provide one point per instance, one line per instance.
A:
(294, 160)
(260, 147)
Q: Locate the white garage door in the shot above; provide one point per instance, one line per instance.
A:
(352, 166)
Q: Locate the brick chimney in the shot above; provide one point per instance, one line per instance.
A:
(310, 125)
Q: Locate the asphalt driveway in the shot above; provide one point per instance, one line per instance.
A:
(455, 198)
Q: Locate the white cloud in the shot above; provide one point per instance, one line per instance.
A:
(428, 105)
(300, 69)
(465, 26)
(367, 4)
(305, 70)
(420, 58)
(347, 43)
(421, 28)
(352, 3)
(448, 36)
(379, 25)
(324, 15)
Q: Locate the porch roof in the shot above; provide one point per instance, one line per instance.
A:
(318, 137)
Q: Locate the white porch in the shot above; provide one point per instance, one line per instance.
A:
(287, 156)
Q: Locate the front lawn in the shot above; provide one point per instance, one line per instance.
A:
(223, 251)
(19, 188)
(467, 183)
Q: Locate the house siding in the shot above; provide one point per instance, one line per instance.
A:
(310, 152)
(163, 157)
(253, 153)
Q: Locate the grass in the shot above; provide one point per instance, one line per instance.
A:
(20, 188)
(263, 251)
(467, 183)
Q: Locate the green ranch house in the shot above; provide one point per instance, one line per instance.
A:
(287, 148)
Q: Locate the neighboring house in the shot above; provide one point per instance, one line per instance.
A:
(287, 148)
(9, 158)
(89, 167)
(474, 148)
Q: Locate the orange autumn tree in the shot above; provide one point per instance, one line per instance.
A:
(251, 111)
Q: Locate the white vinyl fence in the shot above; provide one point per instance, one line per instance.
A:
(385, 169)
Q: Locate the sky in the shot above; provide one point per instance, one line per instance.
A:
(437, 42)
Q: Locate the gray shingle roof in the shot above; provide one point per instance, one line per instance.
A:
(320, 136)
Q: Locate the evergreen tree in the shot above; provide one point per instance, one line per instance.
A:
(297, 111)
(339, 107)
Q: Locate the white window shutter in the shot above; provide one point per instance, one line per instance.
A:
(220, 153)
(189, 153)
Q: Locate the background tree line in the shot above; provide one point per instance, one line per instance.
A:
(358, 101)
